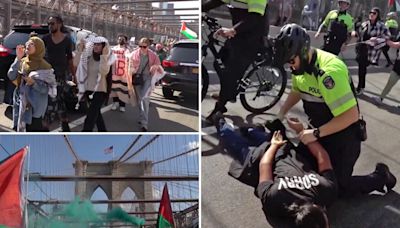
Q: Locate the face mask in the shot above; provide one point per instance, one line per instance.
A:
(302, 67)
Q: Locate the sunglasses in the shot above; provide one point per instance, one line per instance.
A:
(142, 46)
(372, 12)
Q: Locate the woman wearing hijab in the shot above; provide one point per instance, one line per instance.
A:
(34, 80)
(373, 29)
(93, 61)
(144, 64)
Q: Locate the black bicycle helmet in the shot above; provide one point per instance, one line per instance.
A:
(292, 40)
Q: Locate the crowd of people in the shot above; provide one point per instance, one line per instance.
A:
(374, 36)
(296, 183)
(46, 69)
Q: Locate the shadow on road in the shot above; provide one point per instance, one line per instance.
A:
(215, 148)
(389, 108)
(165, 124)
(367, 211)
(184, 100)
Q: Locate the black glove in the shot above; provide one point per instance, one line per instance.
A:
(276, 125)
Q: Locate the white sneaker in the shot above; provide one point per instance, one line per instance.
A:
(378, 100)
(360, 92)
(114, 106)
(122, 109)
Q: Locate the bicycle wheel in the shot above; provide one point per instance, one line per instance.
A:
(205, 80)
(262, 87)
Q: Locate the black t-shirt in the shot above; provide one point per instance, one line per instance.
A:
(294, 181)
(58, 54)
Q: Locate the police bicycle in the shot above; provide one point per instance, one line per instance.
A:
(262, 85)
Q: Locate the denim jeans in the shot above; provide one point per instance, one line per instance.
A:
(237, 145)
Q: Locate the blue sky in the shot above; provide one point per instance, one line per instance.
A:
(50, 155)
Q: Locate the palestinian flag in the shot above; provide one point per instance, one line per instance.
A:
(187, 32)
(10, 189)
(165, 217)
(393, 5)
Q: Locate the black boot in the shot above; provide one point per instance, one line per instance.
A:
(218, 108)
(390, 180)
(276, 125)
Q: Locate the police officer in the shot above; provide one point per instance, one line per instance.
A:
(245, 39)
(339, 24)
(321, 80)
(393, 27)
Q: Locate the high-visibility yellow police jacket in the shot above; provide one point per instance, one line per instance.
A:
(253, 6)
(344, 18)
(327, 95)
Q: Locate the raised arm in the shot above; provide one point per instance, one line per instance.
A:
(267, 160)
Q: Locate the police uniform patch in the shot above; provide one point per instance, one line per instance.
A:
(328, 82)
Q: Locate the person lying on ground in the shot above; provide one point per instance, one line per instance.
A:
(294, 189)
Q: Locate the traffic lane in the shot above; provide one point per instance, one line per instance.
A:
(225, 201)
(179, 114)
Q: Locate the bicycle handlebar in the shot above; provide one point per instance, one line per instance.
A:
(211, 23)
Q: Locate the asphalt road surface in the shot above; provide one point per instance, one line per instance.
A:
(176, 115)
(227, 203)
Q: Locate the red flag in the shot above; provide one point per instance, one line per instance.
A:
(10, 189)
(393, 5)
(165, 217)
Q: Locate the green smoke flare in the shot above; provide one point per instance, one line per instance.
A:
(81, 214)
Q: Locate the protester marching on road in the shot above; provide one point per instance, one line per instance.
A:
(34, 80)
(93, 61)
(59, 54)
(119, 88)
(144, 66)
